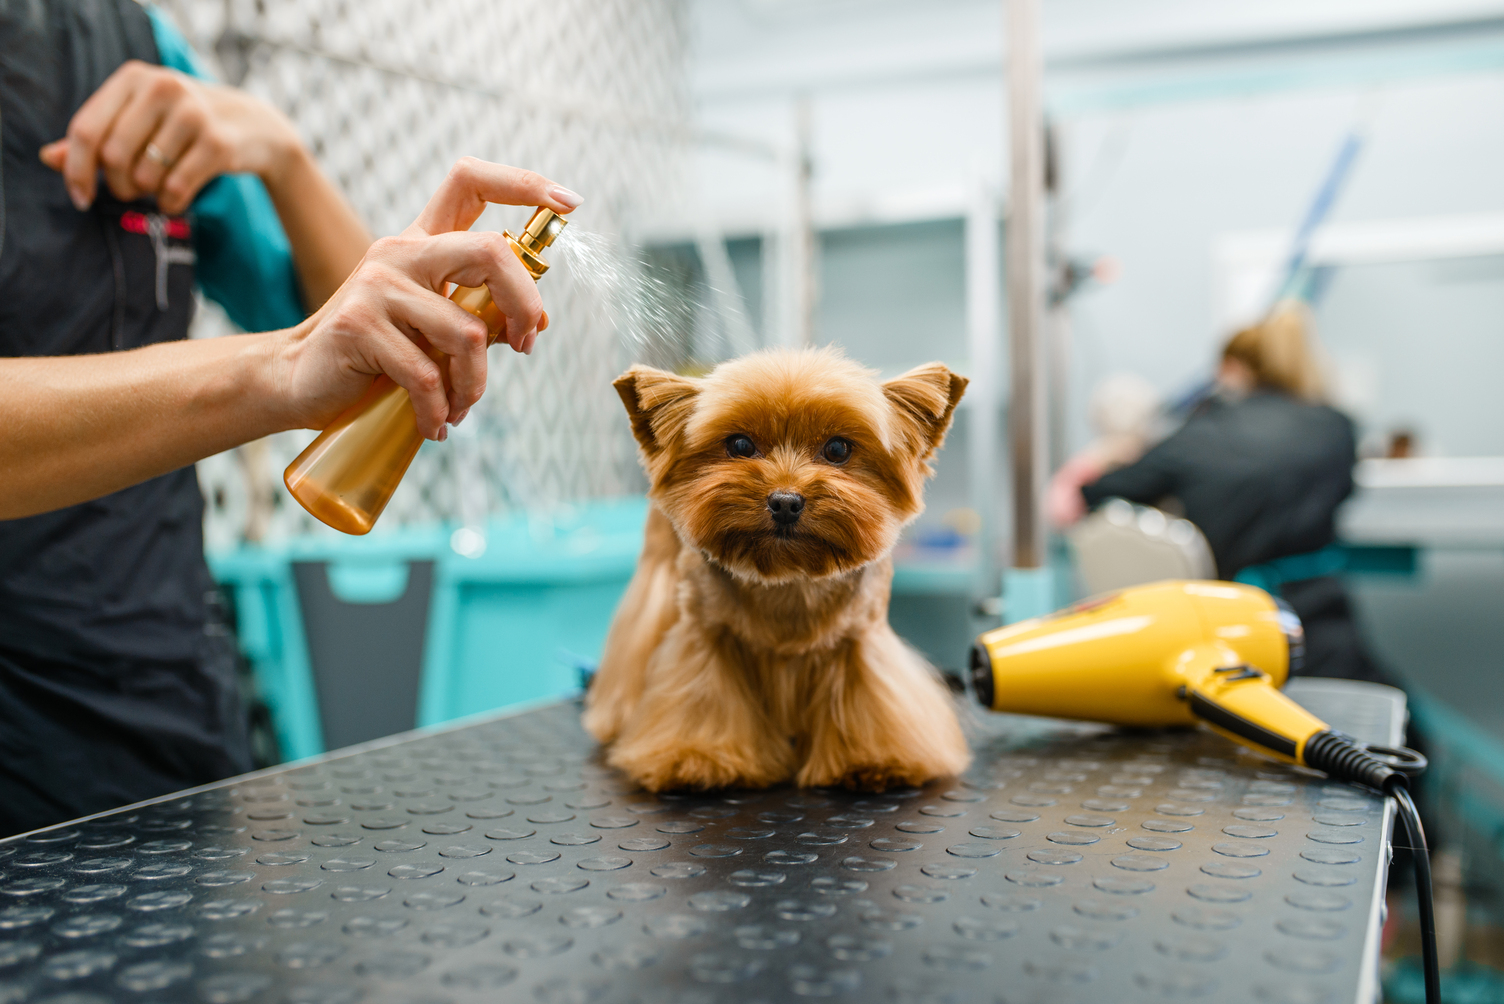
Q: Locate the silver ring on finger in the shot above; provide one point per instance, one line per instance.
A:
(156, 155)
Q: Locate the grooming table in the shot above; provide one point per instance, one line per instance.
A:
(500, 861)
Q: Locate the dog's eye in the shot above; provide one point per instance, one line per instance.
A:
(741, 446)
(837, 450)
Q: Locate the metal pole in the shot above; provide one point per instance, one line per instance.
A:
(1057, 289)
(984, 314)
(797, 249)
(1058, 330)
(807, 251)
(1027, 415)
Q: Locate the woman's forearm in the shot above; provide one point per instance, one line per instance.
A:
(80, 427)
(328, 239)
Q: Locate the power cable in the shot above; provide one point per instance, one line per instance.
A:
(1430, 960)
(1388, 769)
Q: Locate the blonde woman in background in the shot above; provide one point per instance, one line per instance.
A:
(1261, 467)
(1277, 355)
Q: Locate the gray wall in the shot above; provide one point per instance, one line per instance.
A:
(894, 296)
(1424, 342)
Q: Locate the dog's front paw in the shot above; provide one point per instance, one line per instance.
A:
(667, 768)
(603, 720)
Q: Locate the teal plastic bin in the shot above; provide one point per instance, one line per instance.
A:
(508, 627)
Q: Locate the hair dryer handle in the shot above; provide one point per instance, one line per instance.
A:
(1242, 703)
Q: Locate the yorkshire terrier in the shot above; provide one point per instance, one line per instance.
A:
(752, 646)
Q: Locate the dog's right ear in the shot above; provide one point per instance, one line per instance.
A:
(925, 398)
(659, 405)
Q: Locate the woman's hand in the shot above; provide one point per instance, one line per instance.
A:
(394, 307)
(158, 132)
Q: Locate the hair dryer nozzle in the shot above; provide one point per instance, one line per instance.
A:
(981, 675)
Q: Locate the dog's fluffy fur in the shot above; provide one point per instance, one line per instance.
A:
(746, 654)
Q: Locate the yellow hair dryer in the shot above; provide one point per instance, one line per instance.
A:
(1174, 653)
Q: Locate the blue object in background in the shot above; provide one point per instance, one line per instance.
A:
(269, 628)
(543, 585)
(1028, 593)
(1270, 575)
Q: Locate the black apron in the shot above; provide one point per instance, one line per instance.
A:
(116, 684)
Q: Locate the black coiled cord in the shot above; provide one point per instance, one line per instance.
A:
(1341, 757)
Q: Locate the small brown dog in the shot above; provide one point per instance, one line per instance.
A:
(752, 646)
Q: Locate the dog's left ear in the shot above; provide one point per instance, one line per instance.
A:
(924, 399)
(659, 404)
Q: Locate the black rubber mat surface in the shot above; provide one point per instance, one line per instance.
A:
(502, 862)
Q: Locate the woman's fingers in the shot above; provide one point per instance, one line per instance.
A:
(165, 149)
(485, 258)
(130, 131)
(152, 132)
(146, 128)
(532, 337)
(459, 201)
(391, 315)
(471, 183)
(454, 331)
(90, 127)
(398, 356)
(399, 282)
(54, 154)
(192, 171)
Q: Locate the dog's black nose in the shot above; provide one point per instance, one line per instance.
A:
(785, 507)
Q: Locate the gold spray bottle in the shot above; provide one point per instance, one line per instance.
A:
(348, 474)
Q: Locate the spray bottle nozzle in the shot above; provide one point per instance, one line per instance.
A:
(537, 235)
(542, 229)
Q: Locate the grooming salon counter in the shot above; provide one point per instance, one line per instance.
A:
(501, 861)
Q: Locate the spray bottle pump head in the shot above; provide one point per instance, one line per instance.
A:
(542, 229)
(539, 233)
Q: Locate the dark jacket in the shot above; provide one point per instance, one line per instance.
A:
(1262, 478)
(115, 682)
